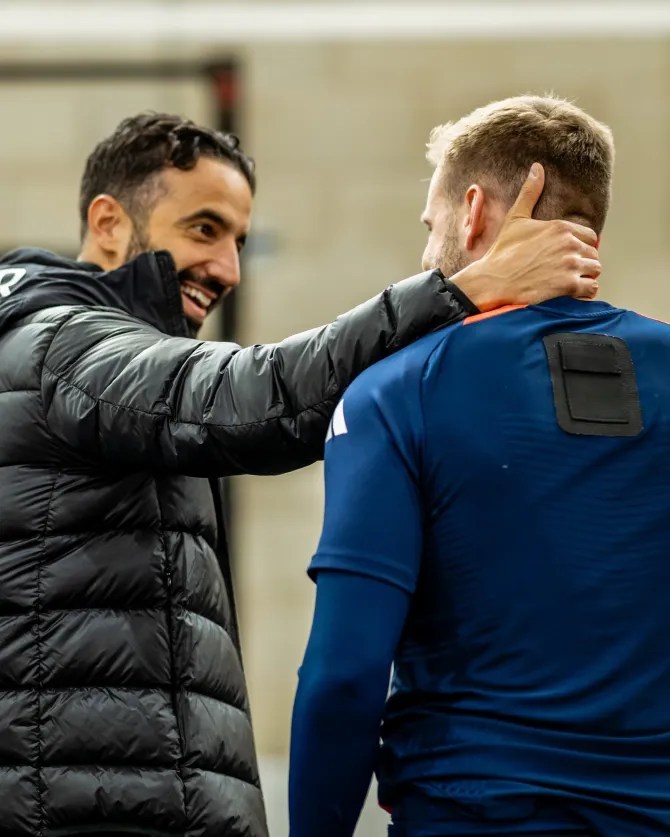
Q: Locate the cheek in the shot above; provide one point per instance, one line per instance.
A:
(186, 253)
(427, 259)
(430, 251)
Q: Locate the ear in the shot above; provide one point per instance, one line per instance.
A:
(109, 227)
(475, 219)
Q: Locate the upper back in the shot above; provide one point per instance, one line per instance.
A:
(508, 440)
(546, 548)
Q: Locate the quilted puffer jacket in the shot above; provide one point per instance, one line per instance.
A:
(122, 698)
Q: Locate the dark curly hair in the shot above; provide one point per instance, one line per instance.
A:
(126, 164)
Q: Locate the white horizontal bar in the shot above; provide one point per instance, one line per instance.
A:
(204, 22)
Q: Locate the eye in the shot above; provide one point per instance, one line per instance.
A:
(240, 243)
(206, 230)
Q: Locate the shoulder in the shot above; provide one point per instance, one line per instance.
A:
(402, 371)
(92, 316)
(385, 400)
(100, 338)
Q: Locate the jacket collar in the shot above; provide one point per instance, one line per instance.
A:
(146, 287)
(149, 288)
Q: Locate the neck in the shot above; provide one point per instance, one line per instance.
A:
(94, 255)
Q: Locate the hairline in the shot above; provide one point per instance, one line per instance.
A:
(139, 210)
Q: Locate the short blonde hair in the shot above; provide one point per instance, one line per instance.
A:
(495, 146)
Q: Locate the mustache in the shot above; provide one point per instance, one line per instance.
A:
(207, 284)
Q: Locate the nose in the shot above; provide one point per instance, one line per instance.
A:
(224, 267)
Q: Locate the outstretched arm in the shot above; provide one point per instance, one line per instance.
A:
(119, 392)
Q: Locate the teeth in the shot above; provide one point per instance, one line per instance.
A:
(197, 295)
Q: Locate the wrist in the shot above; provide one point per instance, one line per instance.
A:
(478, 287)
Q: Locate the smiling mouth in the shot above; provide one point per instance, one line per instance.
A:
(198, 296)
(197, 302)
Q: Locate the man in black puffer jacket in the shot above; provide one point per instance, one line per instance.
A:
(123, 707)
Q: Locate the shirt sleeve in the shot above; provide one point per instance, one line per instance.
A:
(373, 516)
(339, 703)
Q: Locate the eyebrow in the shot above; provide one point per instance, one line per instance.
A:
(207, 215)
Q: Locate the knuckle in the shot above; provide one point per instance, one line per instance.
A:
(568, 239)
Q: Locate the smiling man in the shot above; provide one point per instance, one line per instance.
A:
(123, 705)
(198, 207)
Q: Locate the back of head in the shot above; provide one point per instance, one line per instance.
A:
(127, 164)
(496, 145)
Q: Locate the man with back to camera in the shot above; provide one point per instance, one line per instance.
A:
(497, 525)
(123, 706)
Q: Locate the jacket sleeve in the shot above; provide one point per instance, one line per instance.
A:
(122, 393)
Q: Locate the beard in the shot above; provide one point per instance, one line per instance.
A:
(448, 257)
(193, 326)
(451, 257)
(140, 243)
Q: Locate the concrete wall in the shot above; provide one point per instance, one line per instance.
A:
(338, 132)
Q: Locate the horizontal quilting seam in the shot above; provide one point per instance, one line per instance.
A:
(152, 687)
(157, 608)
(46, 466)
(111, 765)
(129, 531)
(142, 765)
(94, 533)
(22, 768)
(225, 703)
(149, 609)
(148, 768)
(95, 687)
(232, 425)
(17, 762)
(226, 776)
(17, 391)
(97, 532)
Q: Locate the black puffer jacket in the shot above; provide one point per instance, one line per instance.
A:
(122, 696)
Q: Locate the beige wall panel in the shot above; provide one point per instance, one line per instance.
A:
(58, 124)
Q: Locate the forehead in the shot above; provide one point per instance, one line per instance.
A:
(211, 183)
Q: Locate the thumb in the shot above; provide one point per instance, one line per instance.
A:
(529, 194)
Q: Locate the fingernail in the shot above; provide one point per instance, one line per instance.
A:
(535, 170)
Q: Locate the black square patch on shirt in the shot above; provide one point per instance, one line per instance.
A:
(595, 390)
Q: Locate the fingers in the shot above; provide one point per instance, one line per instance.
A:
(529, 194)
(581, 281)
(586, 251)
(590, 268)
(585, 234)
(586, 288)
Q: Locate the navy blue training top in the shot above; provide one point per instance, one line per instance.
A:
(533, 672)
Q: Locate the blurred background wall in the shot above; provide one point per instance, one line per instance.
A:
(335, 102)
